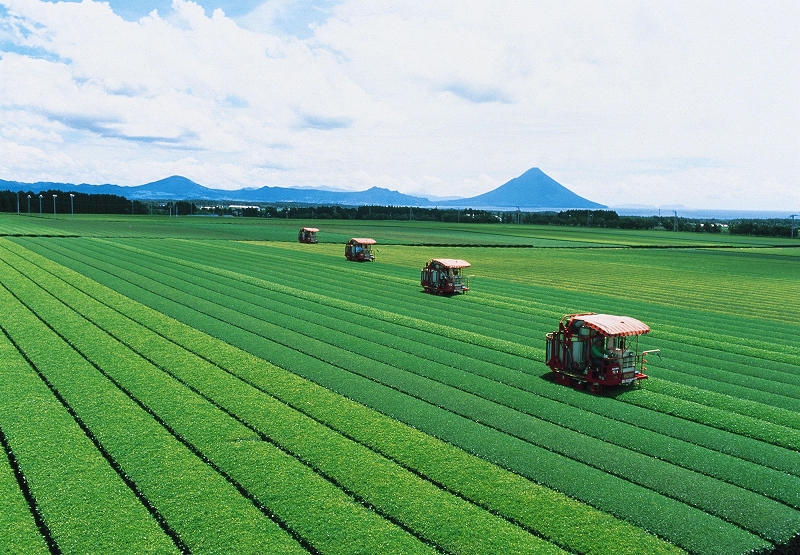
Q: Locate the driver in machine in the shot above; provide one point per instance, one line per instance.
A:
(598, 351)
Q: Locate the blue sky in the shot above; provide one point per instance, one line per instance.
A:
(290, 18)
(133, 10)
(661, 104)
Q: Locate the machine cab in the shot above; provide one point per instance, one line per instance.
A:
(307, 235)
(596, 350)
(444, 276)
(359, 249)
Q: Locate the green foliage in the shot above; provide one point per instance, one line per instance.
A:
(764, 228)
(74, 487)
(704, 455)
(457, 471)
(310, 505)
(198, 504)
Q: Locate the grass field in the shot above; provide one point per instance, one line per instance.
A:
(209, 385)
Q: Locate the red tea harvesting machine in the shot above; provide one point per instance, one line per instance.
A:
(443, 276)
(596, 350)
(359, 249)
(307, 235)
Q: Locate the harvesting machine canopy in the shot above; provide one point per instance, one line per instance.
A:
(359, 249)
(443, 276)
(597, 350)
(307, 235)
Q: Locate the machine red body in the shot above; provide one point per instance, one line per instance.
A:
(615, 359)
(307, 235)
(443, 276)
(359, 249)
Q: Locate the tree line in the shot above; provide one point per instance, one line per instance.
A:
(764, 228)
(82, 203)
(66, 202)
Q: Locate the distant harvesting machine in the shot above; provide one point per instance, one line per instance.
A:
(597, 350)
(307, 235)
(443, 276)
(359, 249)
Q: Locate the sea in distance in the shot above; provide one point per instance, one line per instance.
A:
(709, 214)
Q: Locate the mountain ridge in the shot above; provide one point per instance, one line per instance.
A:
(532, 190)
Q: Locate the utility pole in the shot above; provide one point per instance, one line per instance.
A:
(675, 221)
(791, 230)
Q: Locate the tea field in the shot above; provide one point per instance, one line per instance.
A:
(209, 385)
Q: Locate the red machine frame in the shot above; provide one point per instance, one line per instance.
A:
(307, 235)
(359, 249)
(443, 276)
(569, 351)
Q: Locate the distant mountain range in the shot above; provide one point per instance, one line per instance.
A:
(533, 190)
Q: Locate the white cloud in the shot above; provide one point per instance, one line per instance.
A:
(653, 103)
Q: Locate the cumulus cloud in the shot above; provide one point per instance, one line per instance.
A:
(676, 103)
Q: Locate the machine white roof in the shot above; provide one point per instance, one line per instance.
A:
(608, 324)
(452, 262)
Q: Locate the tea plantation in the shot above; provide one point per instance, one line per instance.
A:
(210, 385)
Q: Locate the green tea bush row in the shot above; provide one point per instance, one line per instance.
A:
(726, 337)
(71, 481)
(372, 290)
(366, 289)
(741, 447)
(683, 285)
(688, 321)
(774, 415)
(523, 380)
(470, 530)
(773, 527)
(339, 382)
(20, 533)
(307, 498)
(720, 376)
(781, 416)
(201, 506)
(555, 504)
(759, 411)
(732, 347)
(760, 398)
(753, 479)
(501, 345)
(35, 430)
(719, 418)
(745, 366)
